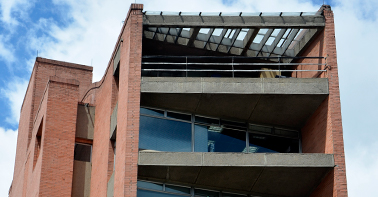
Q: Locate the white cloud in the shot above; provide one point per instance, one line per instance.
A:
(15, 92)
(13, 9)
(356, 42)
(6, 51)
(8, 140)
(362, 171)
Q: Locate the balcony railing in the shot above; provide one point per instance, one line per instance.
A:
(230, 66)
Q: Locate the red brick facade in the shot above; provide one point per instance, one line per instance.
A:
(46, 140)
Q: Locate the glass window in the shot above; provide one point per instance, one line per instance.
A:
(232, 195)
(83, 152)
(218, 139)
(145, 193)
(272, 144)
(287, 133)
(179, 116)
(199, 192)
(260, 129)
(177, 189)
(206, 120)
(164, 135)
(153, 112)
(149, 185)
(232, 124)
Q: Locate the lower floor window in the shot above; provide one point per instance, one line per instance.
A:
(163, 130)
(151, 189)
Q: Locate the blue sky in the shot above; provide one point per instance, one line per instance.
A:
(85, 32)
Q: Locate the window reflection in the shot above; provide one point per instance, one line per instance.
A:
(164, 135)
(162, 130)
(218, 139)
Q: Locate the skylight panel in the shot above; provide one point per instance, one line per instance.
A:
(204, 30)
(275, 32)
(258, 38)
(282, 41)
(286, 33)
(270, 41)
(217, 32)
(231, 34)
(241, 35)
(263, 31)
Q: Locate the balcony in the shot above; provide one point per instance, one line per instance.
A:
(278, 101)
(266, 174)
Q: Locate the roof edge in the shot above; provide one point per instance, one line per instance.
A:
(64, 64)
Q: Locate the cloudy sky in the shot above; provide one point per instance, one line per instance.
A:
(85, 32)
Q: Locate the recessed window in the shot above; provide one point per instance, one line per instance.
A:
(38, 143)
(83, 152)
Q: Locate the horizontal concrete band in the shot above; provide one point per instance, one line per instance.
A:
(234, 85)
(234, 21)
(235, 159)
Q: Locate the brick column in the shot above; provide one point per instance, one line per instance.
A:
(58, 138)
(340, 184)
(126, 167)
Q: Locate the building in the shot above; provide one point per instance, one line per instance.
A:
(225, 104)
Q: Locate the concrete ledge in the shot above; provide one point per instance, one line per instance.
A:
(256, 173)
(234, 85)
(235, 159)
(64, 64)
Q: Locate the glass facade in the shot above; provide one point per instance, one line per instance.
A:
(169, 131)
(150, 189)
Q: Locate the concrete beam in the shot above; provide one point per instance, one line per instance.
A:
(234, 85)
(155, 158)
(251, 35)
(193, 35)
(234, 21)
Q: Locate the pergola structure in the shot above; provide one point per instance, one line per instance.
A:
(241, 34)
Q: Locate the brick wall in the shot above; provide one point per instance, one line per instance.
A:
(101, 137)
(323, 131)
(22, 140)
(315, 49)
(125, 179)
(42, 70)
(48, 172)
(340, 184)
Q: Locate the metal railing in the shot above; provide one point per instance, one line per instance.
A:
(233, 65)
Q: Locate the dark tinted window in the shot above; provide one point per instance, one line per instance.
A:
(83, 152)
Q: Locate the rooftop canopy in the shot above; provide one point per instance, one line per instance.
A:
(244, 34)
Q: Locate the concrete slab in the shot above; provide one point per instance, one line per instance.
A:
(279, 102)
(265, 174)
